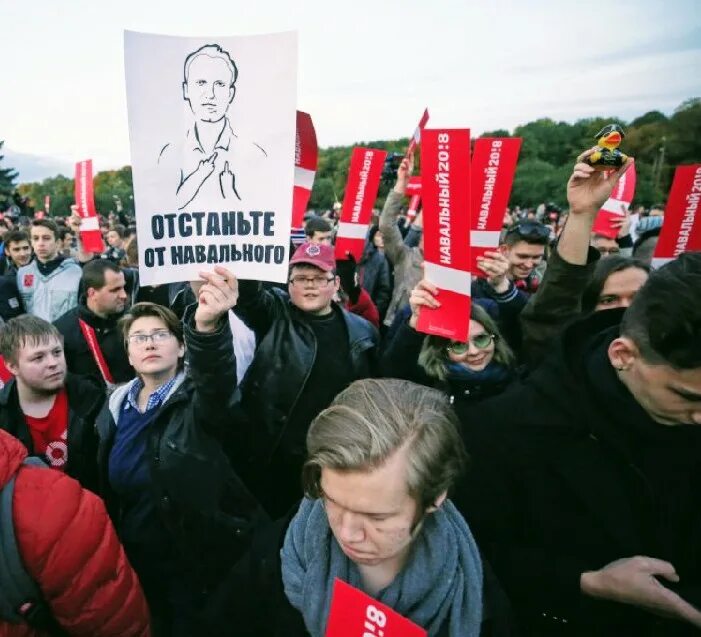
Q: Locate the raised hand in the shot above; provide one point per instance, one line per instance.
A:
(227, 183)
(588, 188)
(217, 292)
(404, 174)
(423, 295)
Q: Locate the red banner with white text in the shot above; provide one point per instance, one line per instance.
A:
(416, 137)
(306, 159)
(492, 175)
(681, 228)
(90, 235)
(355, 614)
(361, 191)
(616, 205)
(445, 191)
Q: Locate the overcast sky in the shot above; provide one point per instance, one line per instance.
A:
(367, 68)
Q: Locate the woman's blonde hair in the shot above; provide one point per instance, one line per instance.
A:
(433, 357)
(373, 418)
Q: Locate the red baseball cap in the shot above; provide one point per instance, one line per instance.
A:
(319, 255)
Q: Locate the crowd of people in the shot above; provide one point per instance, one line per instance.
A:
(208, 457)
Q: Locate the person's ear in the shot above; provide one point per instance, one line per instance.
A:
(337, 282)
(232, 92)
(186, 94)
(13, 368)
(437, 504)
(622, 353)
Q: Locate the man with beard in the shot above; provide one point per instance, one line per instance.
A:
(93, 345)
(51, 412)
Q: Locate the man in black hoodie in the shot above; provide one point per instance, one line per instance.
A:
(585, 489)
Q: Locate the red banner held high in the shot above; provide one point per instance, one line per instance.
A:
(306, 159)
(613, 208)
(355, 614)
(445, 191)
(416, 137)
(681, 228)
(90, 235)
(361, 191)
(493, 167)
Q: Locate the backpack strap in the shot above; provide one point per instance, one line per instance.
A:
(21, 601)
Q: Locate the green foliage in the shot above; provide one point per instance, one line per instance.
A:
(658, 143)
(7, 183)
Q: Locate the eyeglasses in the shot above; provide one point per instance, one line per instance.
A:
(315, 281)
(480, 341)
(530, 230)
(160, 336)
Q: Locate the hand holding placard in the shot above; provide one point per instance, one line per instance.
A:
(217, 292)
(404, 174)
(355, 614)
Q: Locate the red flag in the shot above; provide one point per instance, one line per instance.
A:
(306, 159)
(681, 228)
(493, 167)
(90, 235)
(416, 137)
(445, 191)
(361, 191)
(620, 198)
(355, 614)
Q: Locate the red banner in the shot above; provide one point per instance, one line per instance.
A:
(681, 228)
(615, 206)
(306, 159)
(414, 186)
(493, 167)
(445, 191)
(413, 208)
(416, 137)
(361, 191)
(90, 235)
(355, 614)
(47, 204)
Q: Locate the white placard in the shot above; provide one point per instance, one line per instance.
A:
(212, 128)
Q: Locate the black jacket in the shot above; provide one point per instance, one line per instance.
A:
(85, 399)
(204, 506)
(375, 278)
(283, 361)
(79, 357)
(567, 477)
(10, 299)
(252, 597)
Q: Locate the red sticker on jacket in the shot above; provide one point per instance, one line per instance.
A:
(28, 280)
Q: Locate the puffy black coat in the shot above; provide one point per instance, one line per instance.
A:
(562, 483)
(85, 399)
(10, 299)
(79, 357)
(205, 507)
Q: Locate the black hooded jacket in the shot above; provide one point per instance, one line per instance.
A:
(569, 473)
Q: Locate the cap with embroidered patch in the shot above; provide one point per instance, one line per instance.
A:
(319, 255)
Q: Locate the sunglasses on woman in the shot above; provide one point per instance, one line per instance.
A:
(480, 341)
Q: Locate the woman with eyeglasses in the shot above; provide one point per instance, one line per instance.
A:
(180, 511)
(480, 368)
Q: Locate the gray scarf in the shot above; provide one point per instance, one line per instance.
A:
(441, 582)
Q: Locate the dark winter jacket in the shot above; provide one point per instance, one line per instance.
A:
(375, 278)
(10, 301)
(253, 599)
(69, 548)
(283, 362)
(79, 356)
(85, 399)
(569, 474)
(208, 513)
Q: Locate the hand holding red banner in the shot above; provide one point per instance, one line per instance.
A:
(364, 176)
(90, 235)
(306, 159)
(355, 614)
(445, 162)
(608, 221)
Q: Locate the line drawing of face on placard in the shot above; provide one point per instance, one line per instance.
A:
(206, 167)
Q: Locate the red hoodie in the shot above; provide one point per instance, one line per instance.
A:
(366, 308)
(70, 549)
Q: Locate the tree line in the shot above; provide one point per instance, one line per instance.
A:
(659, 143)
